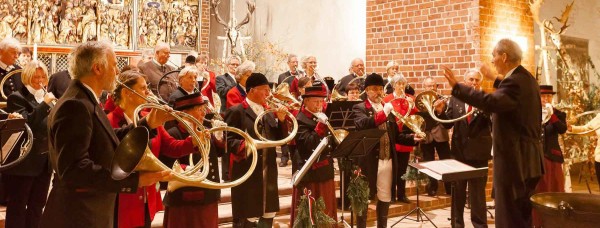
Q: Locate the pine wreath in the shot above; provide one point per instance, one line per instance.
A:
(358, 192)
(311, 213)
(413, 174)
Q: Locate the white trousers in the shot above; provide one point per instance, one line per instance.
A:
(384, 180)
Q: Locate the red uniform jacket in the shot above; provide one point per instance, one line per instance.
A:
(212, 88)
(401, 107)
(131, 206)
(236, 95)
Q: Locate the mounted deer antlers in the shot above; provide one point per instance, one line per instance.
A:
(232, 28)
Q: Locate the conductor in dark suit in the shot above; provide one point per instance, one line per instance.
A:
(257, 197)
(82, 144)
(516, 127)
(59, 82)
(27, 184)
(9, 52)
(227, 81)
(472, 145)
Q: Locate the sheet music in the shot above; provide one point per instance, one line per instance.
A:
(10, 144)
(446, 166)
(430, 173)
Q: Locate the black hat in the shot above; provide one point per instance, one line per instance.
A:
(188, 101)
(190, 59)
(315, 90)
(373, 80)
(256, 79)
(546, 89)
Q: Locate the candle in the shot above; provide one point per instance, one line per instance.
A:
(34, 51)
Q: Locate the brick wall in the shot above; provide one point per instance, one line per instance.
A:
(204, 27)
(422, 35)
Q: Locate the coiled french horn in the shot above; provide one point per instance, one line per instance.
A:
(425, 101)
(6, 77)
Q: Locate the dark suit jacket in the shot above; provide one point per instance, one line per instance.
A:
(58, 83)
(36, 114)
(247, 198)
(82, 146)
(470, 141)
(341, 87)
(285, 76)
(516, 121)
(365, 118)
(224, 84)
(154, 73)
(12, 84)
(435, 131)
(178, 93)
(555, 126)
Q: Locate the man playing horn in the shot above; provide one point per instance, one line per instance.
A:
(82, 145)
(258, 196)
(378, 164)
(9, 52)
(357, 69)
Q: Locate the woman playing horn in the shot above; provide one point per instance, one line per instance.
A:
(258, 196)
(400, 102)
(27, 183)
(132, 207)
(194, 206)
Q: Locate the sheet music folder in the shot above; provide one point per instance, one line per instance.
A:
(10, 133)
(340, 114)
(449, 170)
(358, 143)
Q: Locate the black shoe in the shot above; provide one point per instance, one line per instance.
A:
(284, 162)
(431, 193)
(403, 199)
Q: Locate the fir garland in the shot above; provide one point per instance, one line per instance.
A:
(413, 174)
(358, 192)
(308, 207)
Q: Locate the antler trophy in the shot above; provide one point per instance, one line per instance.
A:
(232, 28)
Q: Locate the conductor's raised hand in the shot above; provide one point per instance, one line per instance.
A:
(159, 117)
(449, 75)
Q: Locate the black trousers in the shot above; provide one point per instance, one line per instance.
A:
(476, 197)
(597, 164)
(403, 158)
(26, 199)
(513, 208)
(443, 151)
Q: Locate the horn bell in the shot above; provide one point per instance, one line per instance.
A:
(425, 100)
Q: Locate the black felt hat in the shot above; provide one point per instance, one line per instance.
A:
(373, 80)
(547, 89)
(256, 79)
(188, 101)
(315, 90)
(190, 59)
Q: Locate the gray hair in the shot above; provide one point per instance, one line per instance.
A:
(230, 58)
(9, 43)
(511, 48)
(189, 69)
(305, 60)
(84, 56)
(246, 66)
(290, 56)
(474, 70)
(391, 64)
(399, 77)
(30, 69)
(161, 46)
(354, 60)
(428, 78)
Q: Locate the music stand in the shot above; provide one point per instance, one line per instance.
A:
(446, 170)
(340, 114)
(356, 144)
(10, 134)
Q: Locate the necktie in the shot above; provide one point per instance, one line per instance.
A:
(469, 110)
(162, 68)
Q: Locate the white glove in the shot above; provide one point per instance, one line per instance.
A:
(549, 106)
(321, 117)
(218, 134)
(387, 108)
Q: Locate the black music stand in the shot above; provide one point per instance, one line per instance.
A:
(11, 131)
(449, 171)
(340, 114)
(356, 144)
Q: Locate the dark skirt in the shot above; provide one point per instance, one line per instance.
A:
(192, 216)
(325, 189)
